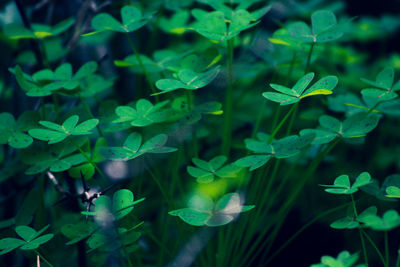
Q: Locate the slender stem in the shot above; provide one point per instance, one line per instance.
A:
(309, 58)
(153, 91)
(88, 158)
(43, 258)
(228, 109)
(302, 229)
(281, 123)
(292, 118)
(398, 259)
(359, 230)
(44, 53)
(259, 119)
(85, 105)
(373, 107)
(386, 237)
(375, 247)
(189, 98)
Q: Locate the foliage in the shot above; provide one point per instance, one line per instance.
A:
(106, 105)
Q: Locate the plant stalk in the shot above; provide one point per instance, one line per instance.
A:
(228, 110)
(153, 91)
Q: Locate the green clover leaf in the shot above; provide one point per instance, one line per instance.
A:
(187, 79)
(133, 147)
(355, 126)
(39, 31)
(206, 171)
(287, 96)
(324, 28)
(121, 205)
(384, 89)
(144, 115)
(341, 185)
(203, 211)
(30, 239)
(56, 133)
(12, 132)
(282, 148)
(132, 20)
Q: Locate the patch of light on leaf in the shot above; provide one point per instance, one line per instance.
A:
(317, 92)
(278, 41)
(42, 35)
(179, 30)
(116, 169)
(214, 189)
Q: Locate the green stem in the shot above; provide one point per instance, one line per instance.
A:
(189, 97)
(373, 107)
(292, 118)
(359, 230)
(43, 258)
(44, 52)
(228, 109)
(153, 91)
(85, 105)
(281, 123)
(88, 158)
(259, 119)
(386, 237)
(284, 209)
(398, 260)
(302, 229)
(375, 247)
(309, 58)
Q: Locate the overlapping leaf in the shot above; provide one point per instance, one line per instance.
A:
(384, 89)
(60, 158)
(355, 126)
(282, 148)
(344, 259)
(206, 171)
(56, 133)
(203, 211)
(145, 113)
(30, 239)
(187, 79)
(13, 132)
(324, 28)
(132, 20)
(121, 205)
(221, 26)
(39, 31)
(342, 185)
(287, 96)
(133, 147)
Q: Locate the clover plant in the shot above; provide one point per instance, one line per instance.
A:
(145, 133)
